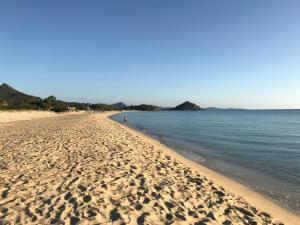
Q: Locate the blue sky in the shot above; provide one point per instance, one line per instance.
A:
(214, 53)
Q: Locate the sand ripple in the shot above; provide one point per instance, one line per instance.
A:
(82, 170)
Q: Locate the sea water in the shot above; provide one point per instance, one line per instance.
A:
(259, 148)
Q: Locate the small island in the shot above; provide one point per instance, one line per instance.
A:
(187, 106)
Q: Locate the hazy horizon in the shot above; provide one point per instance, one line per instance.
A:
(229, 54)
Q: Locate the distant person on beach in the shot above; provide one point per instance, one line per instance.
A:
(125, 120)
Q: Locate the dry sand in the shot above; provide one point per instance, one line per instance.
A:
(87, 169)
(10, 116)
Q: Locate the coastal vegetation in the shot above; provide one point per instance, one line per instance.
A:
(144, 107)
(184, 106)
(12, 99)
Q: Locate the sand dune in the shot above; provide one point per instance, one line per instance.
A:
(87, 169)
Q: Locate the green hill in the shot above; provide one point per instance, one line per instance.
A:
(144, 107)
(13, 99)
(9, 94)
(119, 105)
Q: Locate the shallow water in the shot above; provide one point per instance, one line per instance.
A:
(259, 148)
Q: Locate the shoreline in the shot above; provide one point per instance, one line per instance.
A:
(90, 169)
(202, 161)
(250, 196)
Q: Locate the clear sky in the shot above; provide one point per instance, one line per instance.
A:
(214, 53)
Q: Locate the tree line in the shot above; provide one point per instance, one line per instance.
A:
(50, 104)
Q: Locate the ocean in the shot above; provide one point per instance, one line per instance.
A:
(258, 148)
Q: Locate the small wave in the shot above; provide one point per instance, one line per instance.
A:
(192, 156)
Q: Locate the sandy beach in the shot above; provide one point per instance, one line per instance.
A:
(88, 169)
(10, 116)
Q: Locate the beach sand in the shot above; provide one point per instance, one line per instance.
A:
(88, 169)
(10, 116)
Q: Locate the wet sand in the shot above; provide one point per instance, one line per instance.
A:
(88, 169)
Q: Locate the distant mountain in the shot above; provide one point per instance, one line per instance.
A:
(222, 109)
(187, 106)
(10, 94)
(166, 108)
(119, 105)
(144, 107)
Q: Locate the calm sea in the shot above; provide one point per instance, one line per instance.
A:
(259, 148)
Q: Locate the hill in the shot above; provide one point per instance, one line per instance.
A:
(14, 99)
(119, 105)
(187, 106)
(11, 98)
(9, 94)
(144, 107)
